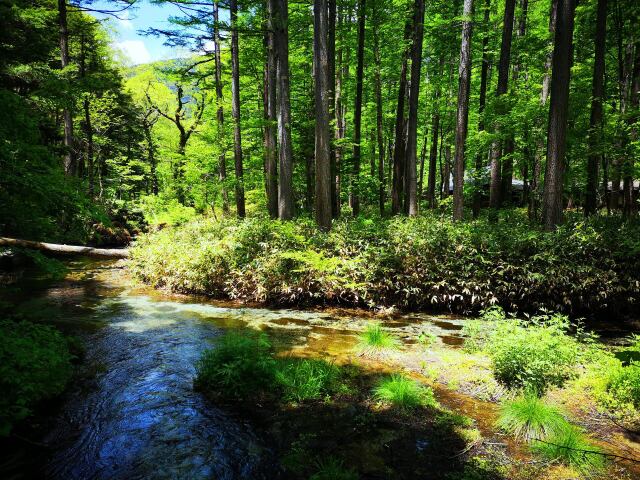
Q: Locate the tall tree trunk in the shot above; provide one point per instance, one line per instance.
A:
(484, 73)
(433, 155)
(446, 172)
(595, 123)
(280, 10)
(400, 139)
(378, 95)
(331, 51)
(414, 95)
(89, 133)
(536, 194)
(270, 128)
(322, 143)
(503, 79)
(558, 110)
(69, 160)
(357, 116)
(235, 110)
(340, 112)
(423, 156)
(632, 119)
(462, 118)
(220, 137)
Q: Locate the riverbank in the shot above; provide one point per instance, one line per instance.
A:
(585, 268)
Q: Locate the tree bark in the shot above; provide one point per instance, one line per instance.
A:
(222, 161)
(595, 123)
(400, 139)
(558, 110)
(484, 73)
(379, 118)
(331, 51)
(357, 116)
(503, 80)
(632, 119)
(65, 249)
(280, 9)
(322, 142)
(69, 160)
(270, 128)
(462, 118)
(414, 94)
(235, 110)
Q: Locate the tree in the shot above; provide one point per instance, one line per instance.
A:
(552, 202)
(595, 122)
(69, 159)
(462, 117)
(322, 143)
(357, 116)
(270, 119)
(235, 110)
(411, 197)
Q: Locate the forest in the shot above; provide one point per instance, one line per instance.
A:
(323, 239)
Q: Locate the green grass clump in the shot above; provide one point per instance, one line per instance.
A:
(529, 417)
(333, 469)
(375, 338)
(35, 365)
(307, 379)
(402, 392)
(237, 366)
(571, 447)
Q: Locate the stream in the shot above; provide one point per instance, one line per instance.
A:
(135, 414)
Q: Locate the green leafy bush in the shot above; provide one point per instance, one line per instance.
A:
(402, 392)
(35, 365)
(237, 366)
(623, 385)
(534, 355)
(427, 262)
(529, 417)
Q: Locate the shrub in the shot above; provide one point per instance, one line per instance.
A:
(529, 417)
(571, 447)
(404, 393)
(533, 355)
(375, 338)
(623, 385)
(35, 365)
(306, 379)
(237, 366)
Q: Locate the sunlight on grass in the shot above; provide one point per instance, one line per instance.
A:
(400, 391)
(529, 417)
(375, 338)
(571, 447)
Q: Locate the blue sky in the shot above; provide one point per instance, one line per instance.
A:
(127, 37)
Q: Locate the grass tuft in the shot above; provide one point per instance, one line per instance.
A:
(307, 379)
(402, 392)
(571, 447)
(333, 469)
(376, 338)
(529, 417)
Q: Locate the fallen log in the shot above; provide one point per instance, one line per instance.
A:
(65, 249)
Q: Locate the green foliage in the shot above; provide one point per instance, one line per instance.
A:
(413, 263)
(534, 355)
(306, 379)
(160, 211)
(404, 393)
(376, 338)
(427, 338)
(239, 365)
(529, 417)
(333, 469)
(35, 365)
(571, 447)
(623, 386)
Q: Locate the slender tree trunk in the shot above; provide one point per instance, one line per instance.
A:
(558, 110)
(446, 174)
(331, 50)
(340, 112)
(503, 79)
(632, 119)
(235, 110)
(222, 161)
(357, 117)
(270, 128)
(69, 160)
(423, 156)
(595, 123)
(322, 143)
(433, 153)
(414, 96)
(89, 133)
(280, 23)
(462, 118)
(400, 142)
(378, 96)
(484, 73)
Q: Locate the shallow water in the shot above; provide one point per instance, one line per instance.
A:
(136, 415)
